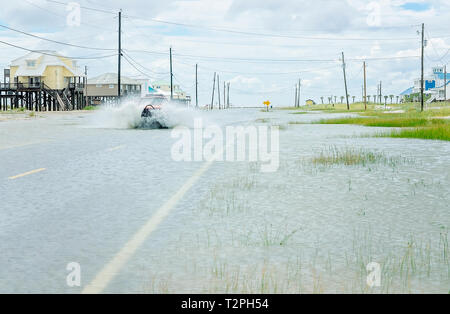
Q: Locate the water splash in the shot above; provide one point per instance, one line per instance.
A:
(128, 116)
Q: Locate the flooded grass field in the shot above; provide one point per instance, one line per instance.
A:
(341, 199)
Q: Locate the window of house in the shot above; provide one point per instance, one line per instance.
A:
(99, 85)
(111, 86)
(31, 63)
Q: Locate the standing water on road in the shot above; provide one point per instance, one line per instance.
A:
(314, 225)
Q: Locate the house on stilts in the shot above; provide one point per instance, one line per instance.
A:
(43, 81)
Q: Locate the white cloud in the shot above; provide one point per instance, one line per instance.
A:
(324, 19)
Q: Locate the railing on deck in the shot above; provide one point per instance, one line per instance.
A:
(20, 85)
(37, 85)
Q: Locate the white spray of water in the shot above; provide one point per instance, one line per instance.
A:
(128, 115)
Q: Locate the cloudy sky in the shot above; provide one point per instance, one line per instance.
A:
(263, 47)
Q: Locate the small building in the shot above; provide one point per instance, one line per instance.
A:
(178, 94)
(433, 85)
(310, 102)
(46, 67)
(105, 87)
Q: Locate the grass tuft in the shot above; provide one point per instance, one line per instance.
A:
(351, 157)
(437, 132)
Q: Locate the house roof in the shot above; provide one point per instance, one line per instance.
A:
(409, 91)
(49, 58)
(111, 78)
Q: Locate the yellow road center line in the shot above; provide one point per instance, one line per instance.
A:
(104, 277)
(26, 173)
(24, 144)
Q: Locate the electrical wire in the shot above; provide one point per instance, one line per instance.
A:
(239, 32)
(55, 55)
(54, 41)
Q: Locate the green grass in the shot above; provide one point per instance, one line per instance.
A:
(409, 117)
(437, 132)
(90, 108)
(351, 157)
(387, 121)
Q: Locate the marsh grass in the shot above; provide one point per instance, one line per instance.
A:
(399, 121)
(411, 267)
(353, 157)
(437, 132)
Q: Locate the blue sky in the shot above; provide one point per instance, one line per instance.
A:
(309, 30)
(416, 6)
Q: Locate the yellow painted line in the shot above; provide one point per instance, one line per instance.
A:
(22, 145)
(114, 266)
(115, 148)
(26, 173)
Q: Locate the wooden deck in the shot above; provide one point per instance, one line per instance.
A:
(39, 97)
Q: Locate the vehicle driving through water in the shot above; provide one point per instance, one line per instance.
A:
(152, 116)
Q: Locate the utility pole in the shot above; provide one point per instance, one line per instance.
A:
(296, 96)
(218, 90)
(299, 92)
(85, 85)
(381, 94)
(196, 86)
(421, 76)
(365, 87)
(345, 81)
(445, 83)
(224, 95)
(213, 89)
(362, 93)
(171, 75)
(228, 95)
(120, 55)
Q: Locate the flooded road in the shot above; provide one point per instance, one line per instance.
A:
(303, 228)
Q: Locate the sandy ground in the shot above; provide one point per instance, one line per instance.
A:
(29, 115)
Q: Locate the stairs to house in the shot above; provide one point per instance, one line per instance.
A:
(60, 97)
(432, 99)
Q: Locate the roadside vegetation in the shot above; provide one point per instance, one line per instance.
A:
(91, 108)
(436, 132)
(352, 157)
(432, 124)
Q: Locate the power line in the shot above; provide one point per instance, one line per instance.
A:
(143, 67)
(233, 31)
(64, 17)
(54, 41)
(86, 8)
(55, 55)
(266, 73)
(227, 59)
(131, 63)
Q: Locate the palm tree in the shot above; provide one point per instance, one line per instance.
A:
(342, 99)
(335, 99)
(374, 98)
(385, 100)
(397, 98)
(392, 98)
(368, 97)
(329, 100)
(321, 98)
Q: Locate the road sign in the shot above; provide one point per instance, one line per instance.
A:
(267, 103)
